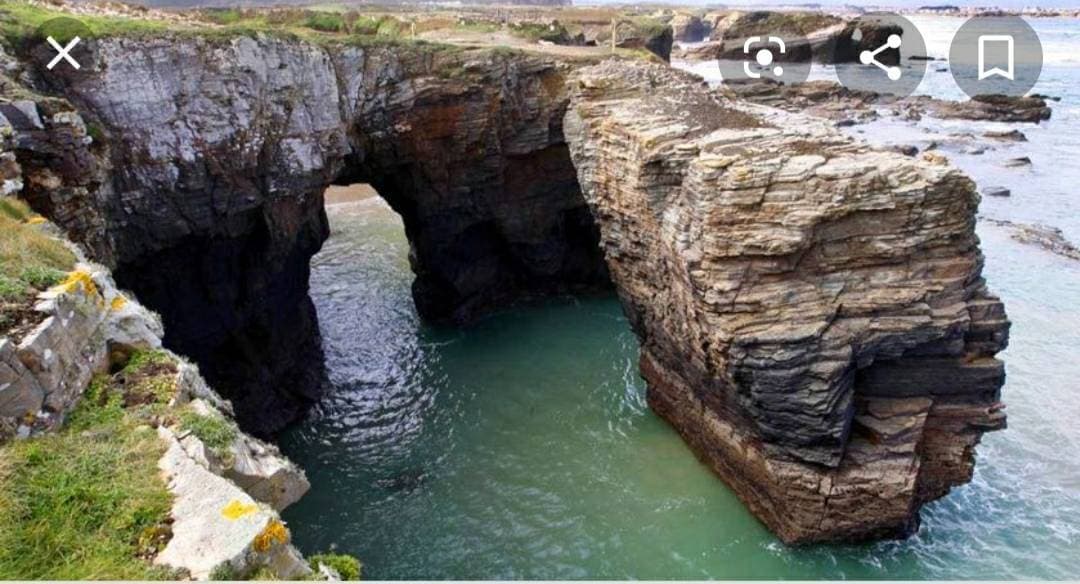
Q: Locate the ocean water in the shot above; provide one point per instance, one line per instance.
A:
(521, 447)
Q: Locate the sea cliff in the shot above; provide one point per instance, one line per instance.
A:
(811, 311)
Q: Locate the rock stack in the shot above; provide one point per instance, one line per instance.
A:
(811, 311)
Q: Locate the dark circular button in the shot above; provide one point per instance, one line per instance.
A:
(61, 44)
(881, 45)
(775, 57)
(996, 55)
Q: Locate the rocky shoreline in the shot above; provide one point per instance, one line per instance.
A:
(811, 311)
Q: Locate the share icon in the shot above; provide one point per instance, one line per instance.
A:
(870, 57)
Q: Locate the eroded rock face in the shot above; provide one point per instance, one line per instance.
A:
(689, 28)
(209, 164)
(211, 156)
(811, 311)
(468, 148)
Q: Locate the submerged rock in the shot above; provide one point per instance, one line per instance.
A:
(833, 100)
(1049, 238)
(997, 108)
(807, 322)
(996, 192)
(1007, 136)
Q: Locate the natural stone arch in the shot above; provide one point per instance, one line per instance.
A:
(735, 238)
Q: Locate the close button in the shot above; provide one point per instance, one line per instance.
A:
(62, 44)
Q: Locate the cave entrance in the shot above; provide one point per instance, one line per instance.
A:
(433, 437)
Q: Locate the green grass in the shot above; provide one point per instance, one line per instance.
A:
(15, 209)
(87, 502)
(555, 33)
(143, 361)
(223, 16)
(20, 21)
(347, 566)
(214, 430)
(325, 22)
(30, 260)
(477, 26)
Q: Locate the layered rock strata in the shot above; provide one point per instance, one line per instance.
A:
(199, 165)
(468, 148)
(809, 36)
(834, 101)
(811, 311)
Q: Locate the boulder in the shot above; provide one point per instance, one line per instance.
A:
(218, 530)
(996, 191)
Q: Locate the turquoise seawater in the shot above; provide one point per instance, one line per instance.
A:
(521, 447)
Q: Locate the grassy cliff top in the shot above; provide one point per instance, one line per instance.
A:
(20, 20)
(88, 502)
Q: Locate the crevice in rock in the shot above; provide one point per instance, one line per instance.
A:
(242, 314)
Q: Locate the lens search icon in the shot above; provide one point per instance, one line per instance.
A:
(987, 43)
(764, 57)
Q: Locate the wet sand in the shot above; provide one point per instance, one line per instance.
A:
(336, 195)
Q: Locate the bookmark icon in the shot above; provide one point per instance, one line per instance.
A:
(1010, 47)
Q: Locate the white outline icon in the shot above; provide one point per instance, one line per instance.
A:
(997, 38)
(764, 57)
(63, 53)
(870, 57)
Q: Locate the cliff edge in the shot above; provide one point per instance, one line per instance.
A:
(811, 311)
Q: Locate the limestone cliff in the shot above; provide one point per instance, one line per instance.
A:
(203, 185)
(811, 311)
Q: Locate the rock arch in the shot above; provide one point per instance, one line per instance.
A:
(812, 313)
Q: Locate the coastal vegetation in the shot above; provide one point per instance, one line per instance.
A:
(348, 567)
(30, 261)
(21, 20)
(213, 429)
(88, 502)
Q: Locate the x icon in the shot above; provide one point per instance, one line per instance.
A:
(63, 53)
